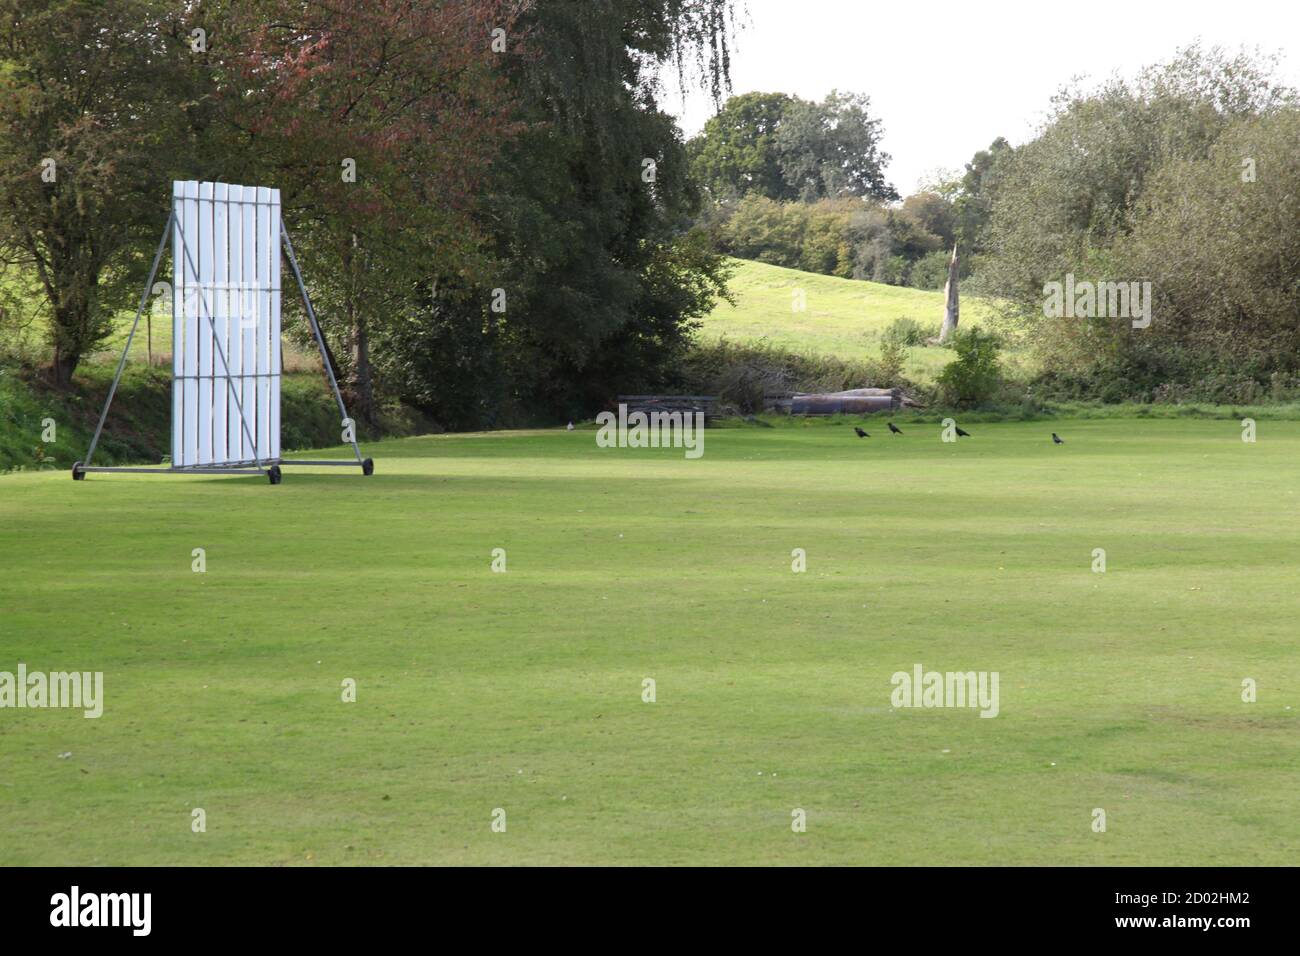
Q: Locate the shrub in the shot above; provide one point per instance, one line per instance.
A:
(974, 376)
(909, 332)
(893, 355)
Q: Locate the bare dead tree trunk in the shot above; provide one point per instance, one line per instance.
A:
(952, 303)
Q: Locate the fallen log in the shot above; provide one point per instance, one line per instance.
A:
(891, 392)
(901, 398)
(842, 404)
(685, 404)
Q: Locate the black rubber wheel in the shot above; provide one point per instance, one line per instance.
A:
(368, 466)
(78, 473)
(273, 474)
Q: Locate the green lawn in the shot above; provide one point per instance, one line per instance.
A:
(842, 317)
(523, 690)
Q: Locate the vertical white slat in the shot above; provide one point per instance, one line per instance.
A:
(206, 323)
(178, 326)
(235, 258)
(248, 387)
(193, 307)
(273, 242)
(264, 327)
(221, 317)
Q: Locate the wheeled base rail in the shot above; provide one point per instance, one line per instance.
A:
(79, 471)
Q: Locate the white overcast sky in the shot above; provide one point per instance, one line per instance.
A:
(946, 78)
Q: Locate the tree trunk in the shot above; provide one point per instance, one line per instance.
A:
(66, 336)
(952, 303)
(360, 382)
(62, 367)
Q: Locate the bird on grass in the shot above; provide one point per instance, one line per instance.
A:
(1057, 439)
(962, 432)
(860, 432)
(895, 429)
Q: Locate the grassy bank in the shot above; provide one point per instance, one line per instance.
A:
(806, 312)
(139, 424)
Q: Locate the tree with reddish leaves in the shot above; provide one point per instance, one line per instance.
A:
(379, 123)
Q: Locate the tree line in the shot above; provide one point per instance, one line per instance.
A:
(492, 208)
(1186, 177)
(804, 185)
(501, 225)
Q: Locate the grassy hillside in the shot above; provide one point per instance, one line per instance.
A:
(523, 691)
(139, 423)
(841, 317)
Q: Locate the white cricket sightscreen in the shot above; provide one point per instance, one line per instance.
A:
(225, 325)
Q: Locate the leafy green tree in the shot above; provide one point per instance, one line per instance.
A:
(973, 377)
(737, 153)
(586, 217)
(1216, 237)
(1142, 181)
(763, 230)
(934, 214)
(786, 148)
(381, 122)
(1075, 186)
(832, 149)
(974, 200)
(93, 101)
(814, 237)
(909, 234)
(930, 271)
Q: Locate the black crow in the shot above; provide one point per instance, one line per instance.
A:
(1057, 439)
(861, 433)
(895, 429)
(962, 432)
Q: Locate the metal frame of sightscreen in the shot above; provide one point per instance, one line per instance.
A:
(225, 335)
